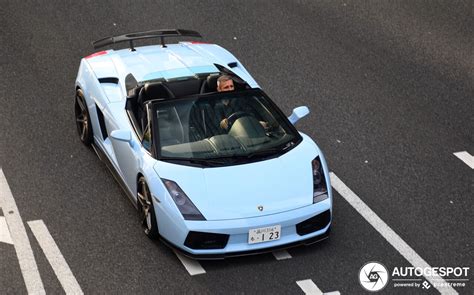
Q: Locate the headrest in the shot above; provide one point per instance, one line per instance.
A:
(184, 87)
(212, 81)
(156, 90)
(210, 85)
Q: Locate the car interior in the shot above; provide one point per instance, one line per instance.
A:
(140, 93)
(201, 135)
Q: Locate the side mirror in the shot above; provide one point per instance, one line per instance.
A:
(121, 135)
(298, 113)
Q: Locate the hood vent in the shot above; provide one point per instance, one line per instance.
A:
(112, 80)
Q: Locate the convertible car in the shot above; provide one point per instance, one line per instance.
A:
(153, 115)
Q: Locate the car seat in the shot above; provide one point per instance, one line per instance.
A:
(210, 84)
(148, 92)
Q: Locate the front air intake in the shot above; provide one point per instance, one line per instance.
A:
(313, 224)
(202, 241)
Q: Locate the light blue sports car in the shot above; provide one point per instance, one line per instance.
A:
(212, 173)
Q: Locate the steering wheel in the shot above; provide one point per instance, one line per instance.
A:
(234, 116)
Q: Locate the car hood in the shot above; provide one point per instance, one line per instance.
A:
(274, 185)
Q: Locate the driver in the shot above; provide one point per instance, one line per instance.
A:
(224, 108)
(225, 83)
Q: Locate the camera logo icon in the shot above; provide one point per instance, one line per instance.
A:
(373, 276)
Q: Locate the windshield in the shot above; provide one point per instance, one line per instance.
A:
(222, 128)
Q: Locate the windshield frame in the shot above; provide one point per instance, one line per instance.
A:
(153, 105)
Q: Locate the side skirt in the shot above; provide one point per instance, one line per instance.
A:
(104, 158)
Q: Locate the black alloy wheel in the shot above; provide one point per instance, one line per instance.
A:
(83, 120)
(147, 211)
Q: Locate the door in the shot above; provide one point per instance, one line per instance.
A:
(128, 154)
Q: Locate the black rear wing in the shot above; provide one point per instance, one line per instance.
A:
(130, 37)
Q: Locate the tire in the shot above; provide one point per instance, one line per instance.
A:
(146, 209)
(83, 120)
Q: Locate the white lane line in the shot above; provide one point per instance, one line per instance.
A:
(309, 287)
(466, 158)
(5, 236)
(26, 259)
(55, 258)
(391, 236)
(192, 266)
(281, 255)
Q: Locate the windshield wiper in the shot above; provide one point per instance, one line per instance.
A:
(210, 162)
(233, 159)
(263, 153)
(278, 150)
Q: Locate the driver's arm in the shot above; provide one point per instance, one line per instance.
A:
(224, 123)
(220, 114)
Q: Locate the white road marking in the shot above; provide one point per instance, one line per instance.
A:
(281, 255)
(55, 258)
(5, 236)
(26, 259)
(309, 287)
(389, 234)
(192, 266)
(466, 158)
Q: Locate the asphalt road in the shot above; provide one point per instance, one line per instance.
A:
(390, 88)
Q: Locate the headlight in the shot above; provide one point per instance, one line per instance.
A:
(320, 191)
(185, 206)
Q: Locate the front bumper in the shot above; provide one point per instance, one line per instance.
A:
(238, 230)
(306, 242)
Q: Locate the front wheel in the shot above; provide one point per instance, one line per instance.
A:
(147, 211)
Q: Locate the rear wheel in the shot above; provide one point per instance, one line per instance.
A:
(83, 120)
(147, 211)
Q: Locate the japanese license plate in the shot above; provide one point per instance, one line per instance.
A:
(264, 234)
